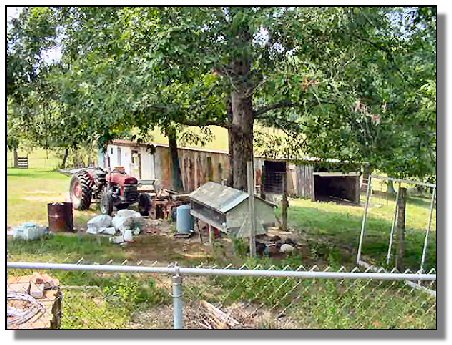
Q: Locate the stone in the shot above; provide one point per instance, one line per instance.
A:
(36, 290)
(286, 248)
(20, 287)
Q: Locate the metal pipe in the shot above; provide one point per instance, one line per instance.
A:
(432, 185)
(424, 250)
(407, 282)
(222, 272)
(178, 303)
(388, 255)
(420, 287)
(363, 224)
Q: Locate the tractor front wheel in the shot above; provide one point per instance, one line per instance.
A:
(106, 203)
(81, 191)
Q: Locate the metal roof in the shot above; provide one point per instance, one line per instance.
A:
(219, 197)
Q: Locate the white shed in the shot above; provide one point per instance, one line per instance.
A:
(226, 209)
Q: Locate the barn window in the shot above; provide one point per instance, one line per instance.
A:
(273, 176)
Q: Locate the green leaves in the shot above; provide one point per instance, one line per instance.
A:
(304, 68)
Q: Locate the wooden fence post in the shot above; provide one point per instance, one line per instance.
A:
(284, 203)
(401, 206)
(251, 210)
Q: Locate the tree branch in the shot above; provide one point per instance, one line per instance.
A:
(198, 123)
(384, 49)
(283, 104)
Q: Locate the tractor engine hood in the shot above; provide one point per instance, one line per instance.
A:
(122, 179)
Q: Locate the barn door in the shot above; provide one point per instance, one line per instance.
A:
(136, 164)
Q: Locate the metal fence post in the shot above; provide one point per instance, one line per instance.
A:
(363, 224)
(391, 235)
(178, 303)
(424, 250)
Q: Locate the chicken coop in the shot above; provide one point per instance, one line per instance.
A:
(226, 209)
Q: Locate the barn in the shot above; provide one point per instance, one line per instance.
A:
(318, 180)
(150, 161)
(311, 178)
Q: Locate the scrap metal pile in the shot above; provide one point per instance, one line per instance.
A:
(164, 203)
(34, 301)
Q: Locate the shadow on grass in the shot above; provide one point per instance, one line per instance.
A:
(63, 247)
(34, 173)
(328, 230)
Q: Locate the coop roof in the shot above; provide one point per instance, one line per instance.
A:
(219, 197)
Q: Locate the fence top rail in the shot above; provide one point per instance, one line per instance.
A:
(175, 270)
(432, 185)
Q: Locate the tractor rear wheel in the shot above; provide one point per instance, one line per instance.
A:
(81, 191)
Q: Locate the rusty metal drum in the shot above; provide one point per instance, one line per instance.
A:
(60, 216)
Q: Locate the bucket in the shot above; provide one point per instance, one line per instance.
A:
(60, 216)
(184, 220)
(128, 236)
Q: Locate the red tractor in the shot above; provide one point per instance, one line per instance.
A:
(114, 190)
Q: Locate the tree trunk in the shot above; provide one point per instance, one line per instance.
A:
(176, 174)
(242, 124)
(230, 182)
(66, 154)
(16, 158)
(242, 138)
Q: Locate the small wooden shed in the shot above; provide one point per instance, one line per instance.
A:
(226, 209)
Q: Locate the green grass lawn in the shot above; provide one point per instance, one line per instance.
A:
(333, 226)
(327, 228)
(30, 190)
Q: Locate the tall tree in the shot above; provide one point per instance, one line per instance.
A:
(333, 74)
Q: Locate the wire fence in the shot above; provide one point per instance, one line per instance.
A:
(406, 239)
(256, 296)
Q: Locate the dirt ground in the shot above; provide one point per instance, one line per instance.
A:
(197, 317)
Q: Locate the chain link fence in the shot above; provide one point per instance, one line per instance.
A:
(252, 296)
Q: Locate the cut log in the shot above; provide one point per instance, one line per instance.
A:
(218, 318)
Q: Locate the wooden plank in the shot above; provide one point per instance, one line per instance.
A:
(335, 174)
(207, 220)
(22, 162)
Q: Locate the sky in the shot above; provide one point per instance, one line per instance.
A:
(49, 55)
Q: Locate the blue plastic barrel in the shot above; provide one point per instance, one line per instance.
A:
(184, 220)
